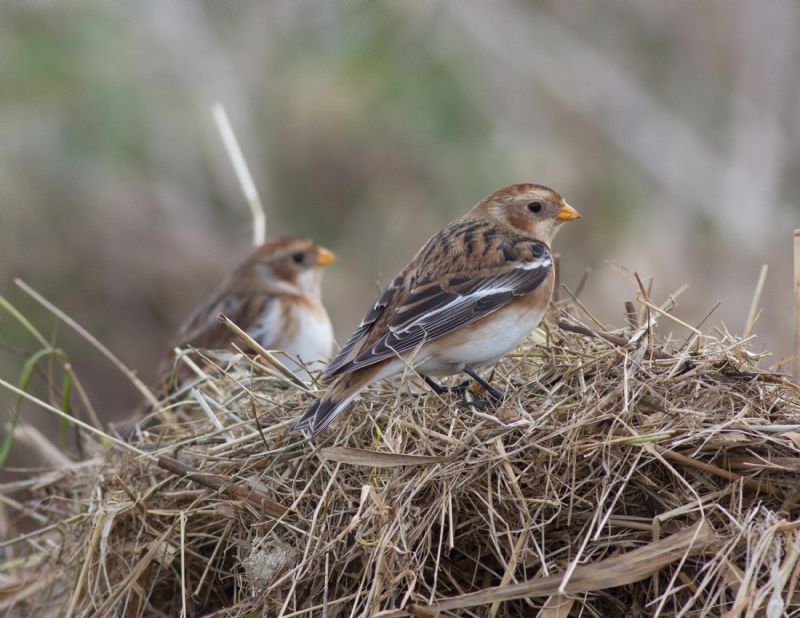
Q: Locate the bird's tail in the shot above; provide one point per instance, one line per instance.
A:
(323, 411)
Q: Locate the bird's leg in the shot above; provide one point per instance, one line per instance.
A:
(460, 388)
(435, 386)
(493, 392)
(441, 390)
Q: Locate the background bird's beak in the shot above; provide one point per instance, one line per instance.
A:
(567, 213)
(325, 257)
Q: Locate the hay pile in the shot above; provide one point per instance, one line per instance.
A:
(619, 477)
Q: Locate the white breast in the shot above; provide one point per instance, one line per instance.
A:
(487, 342)
(266, 327)
(313, 340)
(310, 337)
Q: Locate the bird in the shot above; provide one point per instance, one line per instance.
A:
(469, 296)
(274, 295)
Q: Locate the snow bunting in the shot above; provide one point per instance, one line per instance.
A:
(275, 296)
(468, 297)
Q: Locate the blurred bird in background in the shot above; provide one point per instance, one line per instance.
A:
(275, 296)
(468, 297)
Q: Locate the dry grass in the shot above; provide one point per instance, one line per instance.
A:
(619, 477)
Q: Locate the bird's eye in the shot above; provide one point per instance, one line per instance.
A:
(298, 258)
(535, 206)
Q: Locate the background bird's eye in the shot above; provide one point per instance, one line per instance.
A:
(535, 206)
(298, 258)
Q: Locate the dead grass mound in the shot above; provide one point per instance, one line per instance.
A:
(621, 476)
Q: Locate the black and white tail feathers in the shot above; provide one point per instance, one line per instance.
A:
(321, 414)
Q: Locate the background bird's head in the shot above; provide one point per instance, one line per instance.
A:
(289, 264)
(530, 209)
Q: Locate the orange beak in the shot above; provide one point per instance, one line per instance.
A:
(567, 213)
(325, 257)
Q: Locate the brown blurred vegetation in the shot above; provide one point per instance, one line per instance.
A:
(673, 127)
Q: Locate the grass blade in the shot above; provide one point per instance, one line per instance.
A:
(24, 380)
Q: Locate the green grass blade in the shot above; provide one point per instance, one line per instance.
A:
(66, 397)
(24, 380)
(654, 437)
(11, 309)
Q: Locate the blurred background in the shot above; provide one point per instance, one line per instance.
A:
(673, 127)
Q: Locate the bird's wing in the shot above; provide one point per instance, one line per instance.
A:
(377, 311)
(202, 330)
(436, 305)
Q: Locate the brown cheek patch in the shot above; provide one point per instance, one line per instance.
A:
(519, 221)
(284, 271)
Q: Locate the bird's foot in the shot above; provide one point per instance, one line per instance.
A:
(494, 393)
(460, 388)
(440, 389)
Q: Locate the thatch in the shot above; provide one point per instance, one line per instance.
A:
(621, 476)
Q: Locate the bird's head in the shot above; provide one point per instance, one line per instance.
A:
(534, 210)
(289, 263)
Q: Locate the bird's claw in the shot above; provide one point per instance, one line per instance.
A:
(442, 390)
(495, 394)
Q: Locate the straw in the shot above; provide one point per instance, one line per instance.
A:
(619, 472)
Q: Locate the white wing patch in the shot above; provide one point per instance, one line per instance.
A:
(544, 262)
(467, 299)
(435, 310)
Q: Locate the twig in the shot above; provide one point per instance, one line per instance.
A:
(757, 486)
(71, 419)
(631, 317)
(797, 306)
(583, 307)
(584, 278)
(140, 386)
(753, 313)
(40, 531)
(221, 483)
(667, 314)
(265, 354)
(610, 338)
(76, 594)
(242, 173)
(184, 613)
(775, 428)
(82, 395)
